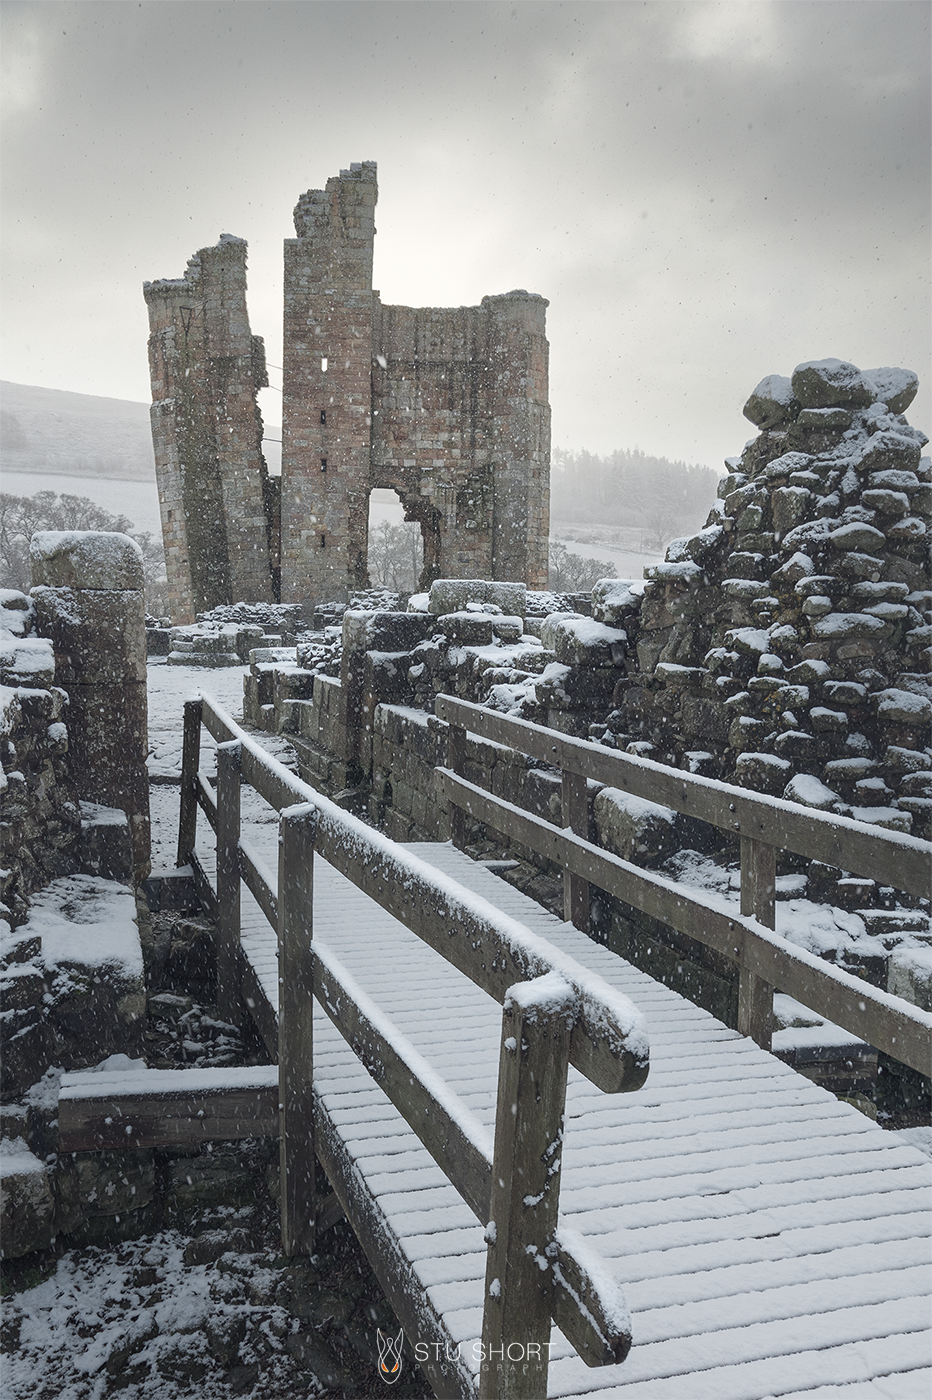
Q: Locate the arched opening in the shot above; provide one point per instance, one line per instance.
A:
(396, 549)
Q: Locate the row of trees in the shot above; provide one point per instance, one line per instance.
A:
(22, 516)
(629, 487)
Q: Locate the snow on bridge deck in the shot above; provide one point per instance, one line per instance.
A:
(771, 1241)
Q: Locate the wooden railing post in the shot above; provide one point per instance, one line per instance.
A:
(537, 1021)
(227, 937)
(575, 796)
(296, 1028)
(758, 900)
(456, 760)
(190, 761)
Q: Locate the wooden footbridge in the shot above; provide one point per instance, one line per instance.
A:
(726, 1231)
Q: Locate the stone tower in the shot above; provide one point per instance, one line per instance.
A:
(447, 407)
(214, 492)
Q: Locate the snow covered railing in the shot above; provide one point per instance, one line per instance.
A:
(555, 1013)
(764, 825)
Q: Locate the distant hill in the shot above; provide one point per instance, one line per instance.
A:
(52, 430)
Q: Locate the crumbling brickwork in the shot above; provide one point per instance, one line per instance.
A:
(447, 407)
(214, 490)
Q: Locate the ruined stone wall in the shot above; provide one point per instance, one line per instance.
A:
(214, 493)
(461, 430)
(448, 407)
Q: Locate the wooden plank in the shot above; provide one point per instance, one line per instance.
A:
(456, 760)
(206, 799)
(190, 759)
(166, 1108)
(400, 1076)
(523, 1212)
(296, 1029)
(264, 1015)
(227, 931)
(758, 901)
(206, 895)
(256, 878)
(580, 1312)
(575, 813)
(884, 1021)
(446, 1371)
(887, 857)
(478, 944)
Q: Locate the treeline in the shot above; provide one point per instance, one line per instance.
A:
(22, 516)
(629, 488)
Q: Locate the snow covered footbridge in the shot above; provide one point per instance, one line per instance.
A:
(471, 1056)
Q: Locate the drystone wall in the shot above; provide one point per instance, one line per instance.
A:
(73, 837)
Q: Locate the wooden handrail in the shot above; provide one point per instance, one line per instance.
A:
(889, 857)
(594, 1028)
(764, 824)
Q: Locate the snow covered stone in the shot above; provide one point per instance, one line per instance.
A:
(772, 402)
(581, 641)
(86, 559)
(809, 792)
(640, 831)
(449, 595)
(762, 772)
(910, 976)
(27, 1206)
(824, 383)
(903, 707)
(895, 387)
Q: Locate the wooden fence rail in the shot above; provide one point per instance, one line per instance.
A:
(554, 1015)
(764, 825)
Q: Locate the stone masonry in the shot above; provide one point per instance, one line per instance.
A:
(215, 493)
(448, 407)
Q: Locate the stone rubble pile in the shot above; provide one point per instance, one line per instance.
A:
(786, 646)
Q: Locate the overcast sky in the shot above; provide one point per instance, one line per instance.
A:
(706, 193)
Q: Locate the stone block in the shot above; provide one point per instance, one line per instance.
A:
(385, 631)
(639, 831)
(27, 1206)
(583, 642)
(910, 976)
(825, 383)
(449, 595)
(99, 636)
(86, 559)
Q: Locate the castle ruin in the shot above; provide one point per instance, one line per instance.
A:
(448, 407)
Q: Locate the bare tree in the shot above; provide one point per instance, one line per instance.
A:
(574, 573)
(22, 516)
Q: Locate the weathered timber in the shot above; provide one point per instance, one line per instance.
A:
(190, 759)
(258, 880)
(885, 1021)
(296, 1028)
(469, 932)
(575, 814)
(263, 1013)
(589, 1322)
(447, 1372)
(401, 1076)
(206, 799)
(890, 858)
(533, 1062)
(456, 759)
(227, 932)
(166, 1108)
(758, 901)
(482, 943)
